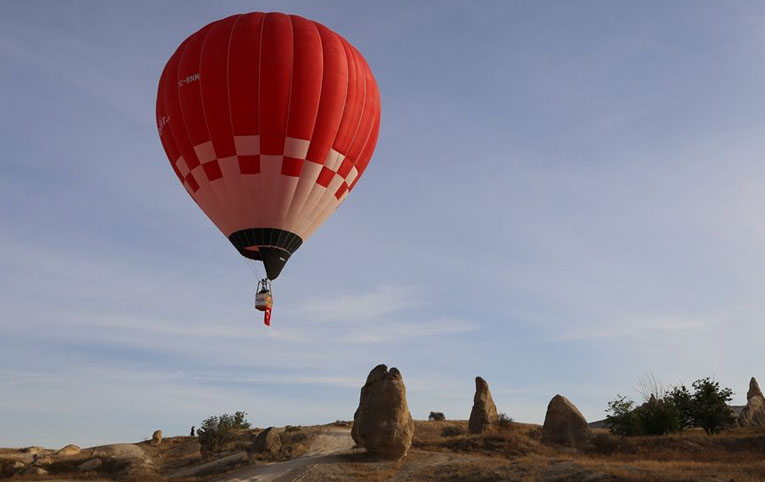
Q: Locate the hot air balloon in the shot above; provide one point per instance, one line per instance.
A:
(269, 121)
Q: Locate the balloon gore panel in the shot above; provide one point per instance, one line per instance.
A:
(268, 120)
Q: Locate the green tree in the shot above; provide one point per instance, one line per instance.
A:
(683, 401)
(709, 404)
(216, 431)
(622, 419)
(678, 409)
(659, 416)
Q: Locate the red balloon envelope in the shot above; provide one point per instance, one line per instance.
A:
(269, 120)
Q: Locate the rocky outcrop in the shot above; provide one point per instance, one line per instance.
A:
(564, 424)
(267, 442)
(70, 449)
(13, 467)
(92, 464)
(138, 469)
(753, 414)
(754, 389)
(35, 471)
(483, 416)
(382, 424)
(119, 451)
(42, 460)
(156, 437)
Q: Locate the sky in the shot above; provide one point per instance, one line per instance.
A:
(566, 197)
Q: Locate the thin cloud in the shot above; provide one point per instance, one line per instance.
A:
(400, 331)
(634, 327)
(383, 300)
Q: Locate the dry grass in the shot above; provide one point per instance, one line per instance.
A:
(295, 442)
(733, 447)
(733, 455)
(510, 441)
(445, 451)
(737, 455)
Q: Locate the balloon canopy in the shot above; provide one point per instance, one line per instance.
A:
(269, 121)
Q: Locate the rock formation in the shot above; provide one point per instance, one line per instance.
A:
(483, 416)
(382, 424)
(70, 449)
(564, 423)
(35, 471)
(89, 465)
(754, 389)
(42, 460)
(753, 413)
(267, 442)
(156, 437)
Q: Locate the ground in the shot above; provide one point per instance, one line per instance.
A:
(442, 451)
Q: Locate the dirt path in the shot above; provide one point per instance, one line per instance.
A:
(323, 448)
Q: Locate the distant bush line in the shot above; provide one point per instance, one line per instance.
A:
(672, 411)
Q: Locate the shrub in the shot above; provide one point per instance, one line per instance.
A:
(623, 418)
(504, 421)
(216, 431)
(659, 417)
(654, 417)
(452, 431)
(676, 410)
(437, 416)
(605, 443)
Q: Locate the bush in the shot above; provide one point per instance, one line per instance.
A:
(437, 416)
(215, 432)
(452, 431)
(676, 410)
(660, 416)
(623, 419)
(504, 421)
(605, 443)
(654, 417)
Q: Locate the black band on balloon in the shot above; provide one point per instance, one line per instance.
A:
(275, 246)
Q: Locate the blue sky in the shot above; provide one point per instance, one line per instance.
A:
(565, 197)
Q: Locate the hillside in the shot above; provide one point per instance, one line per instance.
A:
(442, 451)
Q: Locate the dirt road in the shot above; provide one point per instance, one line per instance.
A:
(323, 449)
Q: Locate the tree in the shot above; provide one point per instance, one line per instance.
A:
(659, 416)
(683, 401)
(623, 419)
(655, 417)
(710, 409)
(676, 410)
(216, 431)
